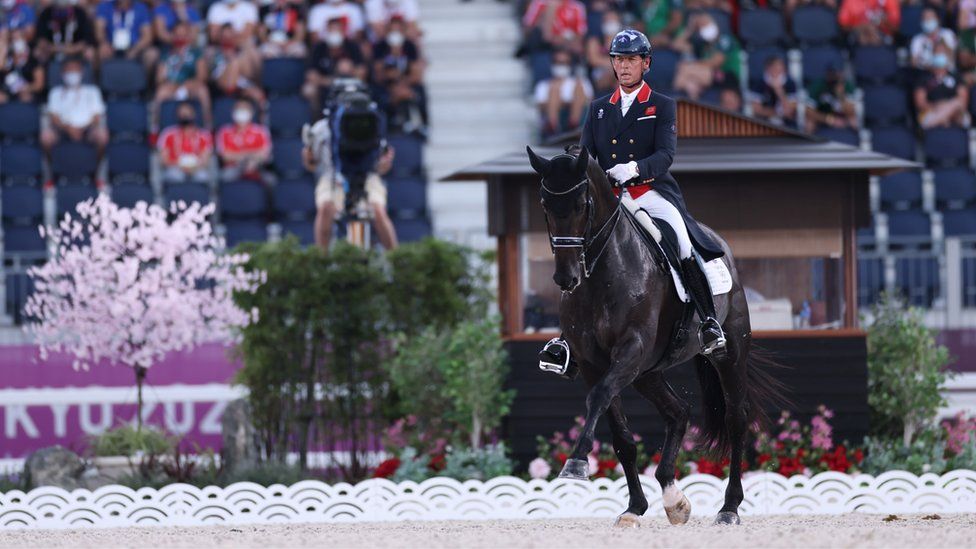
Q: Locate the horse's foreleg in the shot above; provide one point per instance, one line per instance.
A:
(732, 373)
(626, 450)
(675, 412)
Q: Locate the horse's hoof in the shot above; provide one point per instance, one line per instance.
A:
(627, 520)
(680, 512)
(575, 469)
(728, 517)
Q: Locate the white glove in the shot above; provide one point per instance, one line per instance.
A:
(623, 172)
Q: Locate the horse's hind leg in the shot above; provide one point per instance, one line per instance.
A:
(626, 450)
(675, 412)
(732, 374)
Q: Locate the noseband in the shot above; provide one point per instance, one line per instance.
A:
(585, 242)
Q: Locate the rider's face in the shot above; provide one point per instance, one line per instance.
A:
(630, 69)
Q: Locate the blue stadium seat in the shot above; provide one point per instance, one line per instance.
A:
(761, 27)
(21, 122)
(20, 163)
(128, 120)
(242, 199)
(245, 230)
(304, 229)
(722, 19)
(870, 280)
(23, 204)
(167, 113)
(840, 135)
(875, 64)
(122, 78)
(128, 194)
(757, 60)
(22, 239)
(867, 236)
(816, 61)
(896, 141)
(187, 192)
(408, 158)
(283, 76)
(946, 147)
(712, 95)
(407, 197)
(814, 25)
(294, 199)
(955, 188)
(911, 21)
(411, 230)
(128, 162)
(287, 115)
(909, 226)
(19, 287)
(885, 106)
(73, 162)
(917, 278)
(959, 222)
(901, 191)
(972, 102)
(287, 158)
(68, 196)
(665, 65)
(223, 109)
(53, 74)
(539, 66)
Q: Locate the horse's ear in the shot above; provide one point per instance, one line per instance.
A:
(539, 164)
(582, 160)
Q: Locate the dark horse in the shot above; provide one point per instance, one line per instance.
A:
(619, 312)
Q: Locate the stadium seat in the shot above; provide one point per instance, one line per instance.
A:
(757, 60)
(242, 199)
(282, 76)
(955, 188)
(539, 66)
(223, 109)
(287, 115)
(304, 229)
(885, 106)
(128, 162)
(294, 199)
(722, 19)
(712, 95)
(816, 61)
(408, 158)
(128, 194)
(814, 25)
(128, 120)
(972, 102)
(870, 280)
(23, 204)
(867, 236)
(875, 64)
(20, 163)
(840, 135)
(911, 21)
(287, 158)
(761, 27)
(946, 147)
(19, 287)
(53, 74)
(187, 192)
(901, 191)
(959, 223)
(167, 113)
(896, 141)
(22, 239)
(917, 278)
(413, 229)
(909, 227)
(407, 197)
(122, 78)
(21, 122)
(245, 230)
(73, 162)
(68, 196)
(665, 64)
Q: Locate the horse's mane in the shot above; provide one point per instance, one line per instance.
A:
(593, 170)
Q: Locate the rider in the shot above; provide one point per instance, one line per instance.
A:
(632, 133)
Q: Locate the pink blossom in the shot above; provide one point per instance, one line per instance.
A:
(649, 471)
(795, 437)
(574, 432)
(619, 468)
(592, 463)
(692, 467)
(539, 468)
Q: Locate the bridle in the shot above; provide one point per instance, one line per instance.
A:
(585, 242)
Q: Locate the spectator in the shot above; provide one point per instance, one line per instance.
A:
(349, 15)
(555, 24)
(124, 28)
(183, 72)
(244, 146)
(233, 70)
(397, 50)
(380, 13)
(21, 77)
(933, 34)
(75, 111)
(730, 99)
(168, 13)
(64, 30)
(662, 21)
(240, 15)
(563, 93)
(967, 40)
(17, 19)
(715, 57)
(324, 58)
(185, 149)
(282, 31)
(830, 102)
(598, 51)
(870, 22)
(790, 6)
(941, 99)
(774, 98)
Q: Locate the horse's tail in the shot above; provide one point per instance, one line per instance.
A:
(762, 391)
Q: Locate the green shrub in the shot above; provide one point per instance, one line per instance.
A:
(413, 466)
(126, 440)
(266, 474)
(478, 463)
(11, 481)
(926, 454)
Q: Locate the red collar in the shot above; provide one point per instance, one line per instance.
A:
(643, 93)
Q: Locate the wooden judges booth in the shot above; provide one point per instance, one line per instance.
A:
(789, 205)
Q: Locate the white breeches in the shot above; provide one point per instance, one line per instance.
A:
(658, 207)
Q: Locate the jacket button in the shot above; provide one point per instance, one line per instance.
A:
(630, 155)
(614, 155)
(613, 141)
(631, 140)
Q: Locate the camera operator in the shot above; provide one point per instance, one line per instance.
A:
(321, 154)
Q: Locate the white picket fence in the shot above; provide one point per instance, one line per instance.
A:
(498, 498)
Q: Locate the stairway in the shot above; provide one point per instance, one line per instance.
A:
(478, 105)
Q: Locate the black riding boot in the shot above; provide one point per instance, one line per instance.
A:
(710, 333)
(555, 358)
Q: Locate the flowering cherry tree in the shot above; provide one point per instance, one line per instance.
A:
(131, 285)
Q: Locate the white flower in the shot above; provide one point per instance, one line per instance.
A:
(649, 472)
(539, 468)
(926, 468)
(619, 468)
(692, 467)
(592, 463)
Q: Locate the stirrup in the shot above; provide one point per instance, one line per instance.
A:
(555, 358)
(715, 348)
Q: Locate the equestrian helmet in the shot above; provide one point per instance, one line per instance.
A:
(630, 42)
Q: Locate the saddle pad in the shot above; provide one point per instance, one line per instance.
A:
(719, 278)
